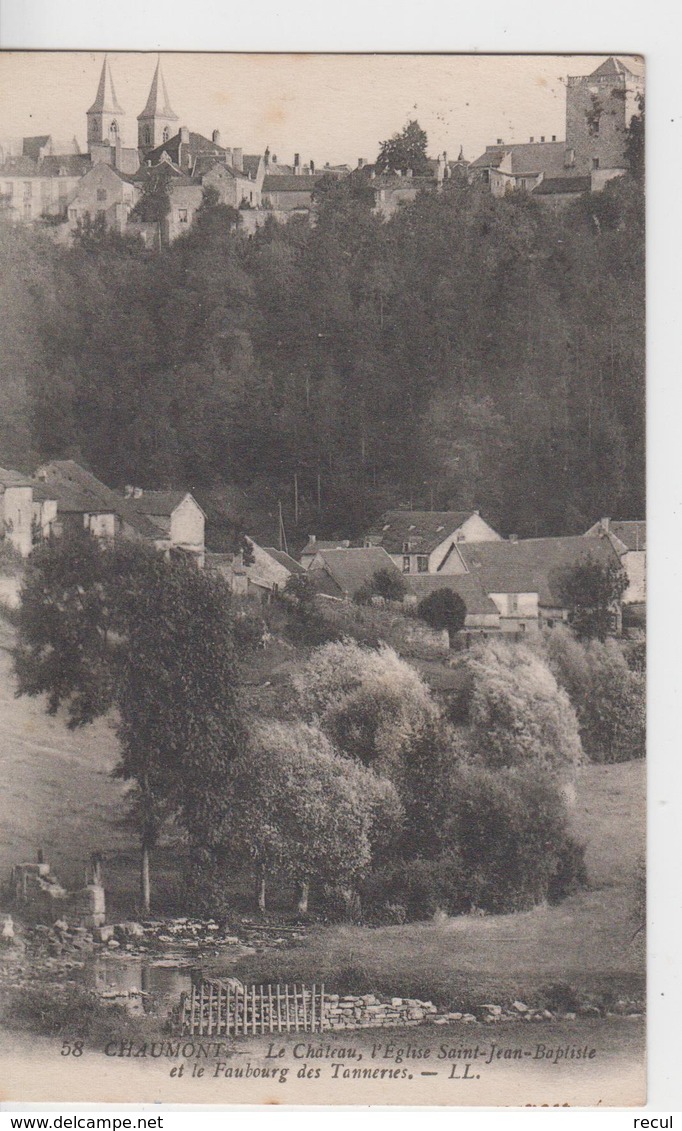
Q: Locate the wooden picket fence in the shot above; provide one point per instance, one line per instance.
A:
(217, 1008)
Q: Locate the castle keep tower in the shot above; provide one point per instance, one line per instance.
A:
(599, 108)
(105, 116)
(157, 122)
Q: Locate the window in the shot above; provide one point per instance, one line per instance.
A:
(28, 190)
(513, 603)
(406, 547)
(182, 216)
(422, 563)
(406, 563)
(27, 210)
(113, 129)
(166, 133)
(595, 162)
(101, 194)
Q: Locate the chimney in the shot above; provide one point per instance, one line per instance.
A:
(606, 525)
(215, 137)
(184, 135)
(532, 140)
(238, 160)
(297, 163)
(266, 155)
(499, 141)
(312, 165)
(274, 158)
(513, 538)
(312, 538)
(361, 162)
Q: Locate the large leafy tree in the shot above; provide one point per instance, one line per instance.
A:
(592, 591)
(298, 808)
(404, 150)
(118, 626)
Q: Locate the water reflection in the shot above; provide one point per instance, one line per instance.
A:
(142, 984)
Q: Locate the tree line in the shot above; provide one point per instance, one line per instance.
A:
(469, 352)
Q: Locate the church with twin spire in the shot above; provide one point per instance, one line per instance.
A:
(43, 180)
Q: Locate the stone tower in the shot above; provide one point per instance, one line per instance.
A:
(156, 123)
(599, 108)
(105, 116)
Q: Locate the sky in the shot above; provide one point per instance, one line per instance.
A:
(333, 108)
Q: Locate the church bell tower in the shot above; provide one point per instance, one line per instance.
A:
(157, 122)
(105, 116)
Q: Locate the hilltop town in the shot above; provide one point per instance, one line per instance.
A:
(41, 185)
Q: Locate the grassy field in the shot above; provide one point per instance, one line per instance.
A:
(58, 794)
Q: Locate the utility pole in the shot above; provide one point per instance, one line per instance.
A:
(295, 499)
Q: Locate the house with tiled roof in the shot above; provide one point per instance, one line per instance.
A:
(85, 503)
(482, 614)
(504, 167)
(628, 539)
(315, 544)
(422, 542)
(523, 577)
(288, 192)
(179, 519)
(557, 192)
(340, 573)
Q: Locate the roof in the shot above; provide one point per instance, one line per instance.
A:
(424, 530)
(469, 588)
(313, 545)
(10, 478)
(251, 163)
(158, 103)
(31, 146)
(613, 66)
(65, 164)
(531, 565)
(79, 490)
(526, 157)
(106, 101)
(351, 568)
(197, 145)
(284, 182)
(631, 532)
(284, 560)
(553, 186)
(159, 503)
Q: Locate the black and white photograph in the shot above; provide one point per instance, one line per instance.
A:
(323, 578)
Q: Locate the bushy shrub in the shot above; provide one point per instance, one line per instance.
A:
(607, 694)
(249, 630)
(372, 625)
(510, 829)
(416, 889)
(519, 714)
(370, 702)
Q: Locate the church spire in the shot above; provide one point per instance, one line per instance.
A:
(105, 116)
(106, 101)
(156, 120)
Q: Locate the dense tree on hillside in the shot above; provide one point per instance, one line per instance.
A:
(443, 609)
(472, 351)
(119, 627)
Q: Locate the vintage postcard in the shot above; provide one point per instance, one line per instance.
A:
(322, 579)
